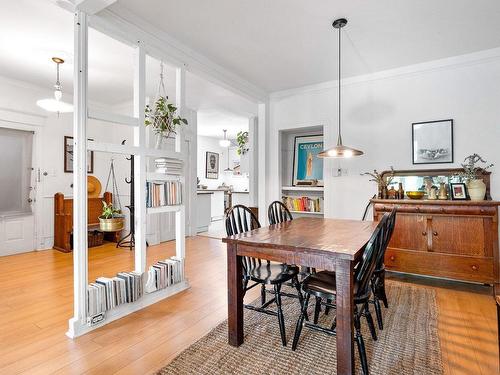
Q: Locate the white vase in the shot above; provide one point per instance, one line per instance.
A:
(159, 141)
(477, 190)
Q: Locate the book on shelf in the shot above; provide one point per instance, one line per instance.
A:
(164, 273)
(168, 193)
(169, 166)
(305, 204)
(107, 293)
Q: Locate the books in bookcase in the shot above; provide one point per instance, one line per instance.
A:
(168, 193)
(164, 273)
(304, 204)
(169, 166)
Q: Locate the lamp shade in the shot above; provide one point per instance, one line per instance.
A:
(53, 105)
(340, 151)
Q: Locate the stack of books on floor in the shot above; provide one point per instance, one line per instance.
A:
(107, 293)
(168, 166)
(305, 204)
(164, 274)
(168, 193)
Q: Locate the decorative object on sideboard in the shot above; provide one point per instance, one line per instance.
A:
(212, 165)
(383, 180)
(68, 156)
(415, 194)
(458, 191)
(55, 104)
(162, 116)
(111, 220)
(340, 151)
(432, 142)
(432, 195)
(392, 193)
(307, 165)
(443, 193)
(475, 186)
(242, 140)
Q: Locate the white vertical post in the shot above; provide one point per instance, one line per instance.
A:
(263, 123)
(180, 216)
(140, 160)
(80, 258)
(253, 161)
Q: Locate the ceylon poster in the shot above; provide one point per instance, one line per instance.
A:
(306, 164)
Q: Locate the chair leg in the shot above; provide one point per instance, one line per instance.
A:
(361, 344)
(334, 323)
(369, 320)
(281, 318)
(263, 294)
(378, 312)
(300, 321)
(317, 309)
(296, 283)
(380, 289)
(327, 308)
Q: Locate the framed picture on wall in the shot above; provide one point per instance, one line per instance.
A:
(212, 166)
(432, 142)
(68, 156)
(306, 164)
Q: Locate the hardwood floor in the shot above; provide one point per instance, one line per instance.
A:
(36, 291)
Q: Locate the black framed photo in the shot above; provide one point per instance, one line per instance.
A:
(212, 166)
(68, 156)
(432, 142)
(458, 191)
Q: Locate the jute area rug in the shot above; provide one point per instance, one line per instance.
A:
(408, 344)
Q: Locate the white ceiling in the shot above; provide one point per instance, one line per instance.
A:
(32, 31)
(281, 44)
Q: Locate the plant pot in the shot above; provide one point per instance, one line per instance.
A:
(111, 225)
(477, 190)
(159, 141)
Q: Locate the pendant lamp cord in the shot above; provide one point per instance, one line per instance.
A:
(339, 139)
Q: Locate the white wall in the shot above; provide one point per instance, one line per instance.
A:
(377, 114)
(239, 183)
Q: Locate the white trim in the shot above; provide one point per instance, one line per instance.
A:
(446, 63)
(93, 6)
(100, 115)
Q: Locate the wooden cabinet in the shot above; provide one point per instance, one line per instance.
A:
(451, 239)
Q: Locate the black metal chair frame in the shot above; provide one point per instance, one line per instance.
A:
(362, 276)
(237, 222)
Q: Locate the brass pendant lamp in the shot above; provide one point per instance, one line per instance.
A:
(340, 151)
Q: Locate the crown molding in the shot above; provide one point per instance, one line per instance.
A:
(454, 62)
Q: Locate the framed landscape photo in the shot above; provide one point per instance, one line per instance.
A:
(306, 164)
(432, 142)
(458, 191)
(212, 166)
(68, 156)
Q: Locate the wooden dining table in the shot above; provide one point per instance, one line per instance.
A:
(326, 244)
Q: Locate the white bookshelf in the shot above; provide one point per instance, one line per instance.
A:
(303, 188)
(162, 209)
(152, 176)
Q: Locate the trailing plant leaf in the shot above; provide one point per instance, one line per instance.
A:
(108, 211)
(242, 140)
(470, 169)
(163, 117)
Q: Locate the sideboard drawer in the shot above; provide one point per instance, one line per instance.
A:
(478, 269)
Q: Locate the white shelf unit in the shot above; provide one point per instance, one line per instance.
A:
(78, 323)
(162, 209)
(302, 188)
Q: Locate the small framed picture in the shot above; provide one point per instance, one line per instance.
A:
(458, 191)
(212, 166)
(432, 142)
(68, 156)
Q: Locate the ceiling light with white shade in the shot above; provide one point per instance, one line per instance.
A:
(56, 104)
(225, 142)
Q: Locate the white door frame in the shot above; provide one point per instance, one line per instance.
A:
(34, 123)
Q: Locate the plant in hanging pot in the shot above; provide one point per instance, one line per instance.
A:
(163, 118)
(242, 140)
(475, 186)
(111, 219)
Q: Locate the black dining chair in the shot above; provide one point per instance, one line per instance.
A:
(278, 213)
(378, 278)
(240, 219)
(322, 285)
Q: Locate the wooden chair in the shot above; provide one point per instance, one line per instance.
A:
(322, 285)
(278, 213)
(378, 279)
(240, 219)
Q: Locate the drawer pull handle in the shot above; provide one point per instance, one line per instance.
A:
(424, 233)
(435, 233)
(474, 267)
(392, 257)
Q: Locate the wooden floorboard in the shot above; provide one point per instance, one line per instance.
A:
(36, 290)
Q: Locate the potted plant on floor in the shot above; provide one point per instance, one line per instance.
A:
(475, 186)
(111, 219)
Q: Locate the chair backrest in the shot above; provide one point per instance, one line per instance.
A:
(240, 219)
(278, 213)
(388, 230)
(373, 248)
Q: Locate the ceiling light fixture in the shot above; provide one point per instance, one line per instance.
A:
(224, 142)
(56, 104)
(340, 151)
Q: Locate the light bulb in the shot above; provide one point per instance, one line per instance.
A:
(332, 153)
(58, 94)
(224, 143)
(348, 153)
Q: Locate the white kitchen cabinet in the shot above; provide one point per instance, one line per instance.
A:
(203, 211)
(217, 205)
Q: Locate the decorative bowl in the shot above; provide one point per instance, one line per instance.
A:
(415, 194)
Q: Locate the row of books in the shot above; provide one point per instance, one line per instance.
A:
(164, 273)
(306, 204)
(168, 166)
(166, 193)
(107, 293)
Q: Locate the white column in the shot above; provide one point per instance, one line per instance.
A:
(180, 216)
(262, 139)
(253, 161)
(140, 160)
(80, 258)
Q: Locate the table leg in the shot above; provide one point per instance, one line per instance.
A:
(345, 321)
(235, 296)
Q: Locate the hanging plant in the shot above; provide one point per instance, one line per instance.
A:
(242, 140)
(162, 117)
(111, 220)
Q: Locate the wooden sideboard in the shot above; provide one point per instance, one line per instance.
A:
(450, 239)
